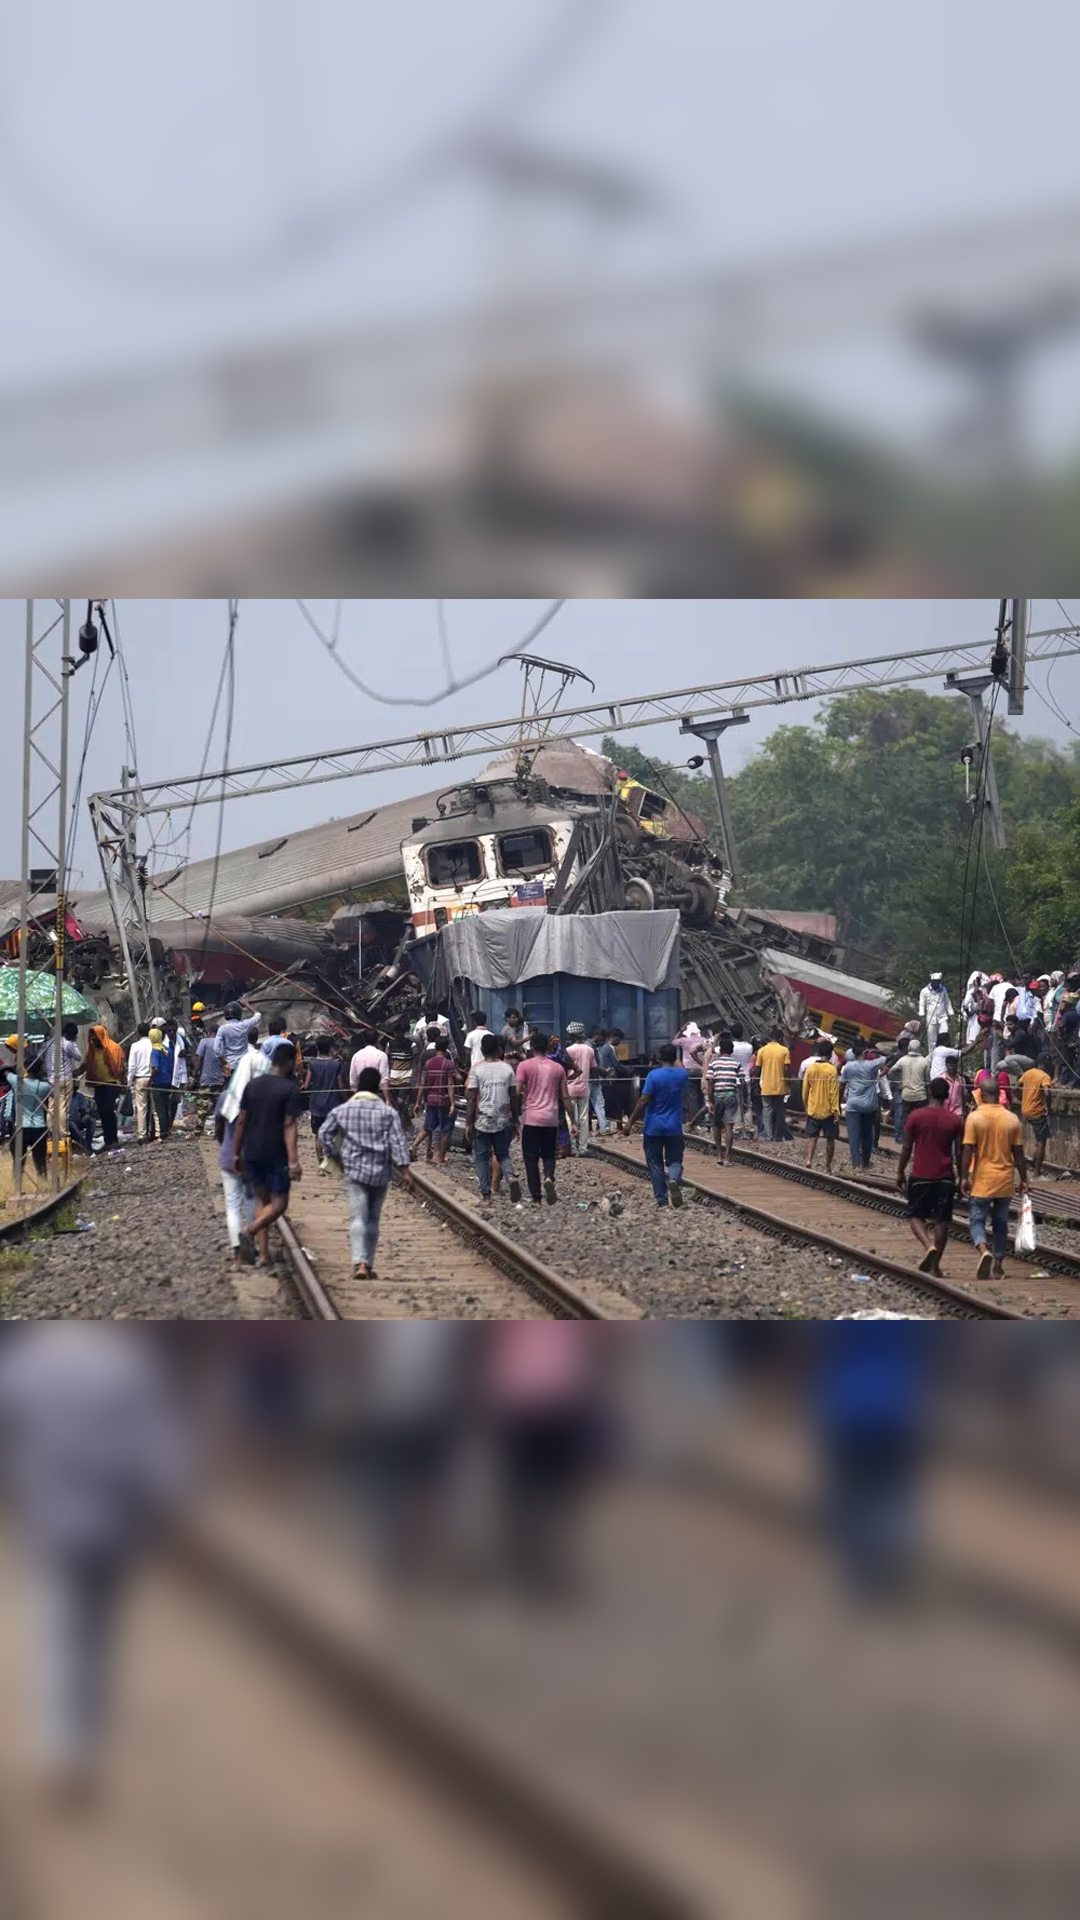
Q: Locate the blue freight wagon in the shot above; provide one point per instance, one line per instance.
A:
(603, 969)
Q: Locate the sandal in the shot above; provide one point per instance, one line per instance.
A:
(361, 1271)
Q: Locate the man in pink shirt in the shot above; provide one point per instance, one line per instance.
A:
(542, 1085)
(582, 1058)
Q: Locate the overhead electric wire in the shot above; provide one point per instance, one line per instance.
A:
(453, 686)
(229, 667)
(313, 230)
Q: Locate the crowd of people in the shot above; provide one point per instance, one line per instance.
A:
(955, 1087)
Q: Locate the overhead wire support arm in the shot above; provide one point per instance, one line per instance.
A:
(693, 704)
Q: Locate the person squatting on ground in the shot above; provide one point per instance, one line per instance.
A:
(438, 1090)
(722, 1086)
(492, 1116)
(366, 1135)
(932, 1146)
(821, 1103)
(545, 1100)
(266, 1147)
(993, 1155)
(661, 1106)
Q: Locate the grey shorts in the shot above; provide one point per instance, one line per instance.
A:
(726, 1110)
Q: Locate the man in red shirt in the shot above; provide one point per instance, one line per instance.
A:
(933, 1137)
(542, 1085)
(438, 1085)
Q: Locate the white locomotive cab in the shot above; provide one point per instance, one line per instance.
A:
(472, 869)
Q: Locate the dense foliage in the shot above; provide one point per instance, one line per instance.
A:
(864, 813)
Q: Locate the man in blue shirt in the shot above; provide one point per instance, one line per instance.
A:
(661, 1104)
(209, 1079)
(231, 1038)
(860, 1077)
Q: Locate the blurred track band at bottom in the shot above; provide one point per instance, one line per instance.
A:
(559, 1561)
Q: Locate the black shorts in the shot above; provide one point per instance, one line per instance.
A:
(828, 1127)
(1040, 1127)
(931, 1200)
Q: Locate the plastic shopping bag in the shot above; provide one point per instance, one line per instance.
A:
(1025, 1228)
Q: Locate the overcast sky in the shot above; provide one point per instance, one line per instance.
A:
(139, 171)
(292, 699)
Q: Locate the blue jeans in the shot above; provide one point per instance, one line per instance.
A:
(998, 1213)
(365, 1207)
(78, 1597)
(664, 1150)
(860, 1133)
(484, 1146)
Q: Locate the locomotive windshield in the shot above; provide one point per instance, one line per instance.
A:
(455, 864)
(528, 852)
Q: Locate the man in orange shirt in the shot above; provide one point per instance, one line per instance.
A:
(993, 1155)
(1035, 1110)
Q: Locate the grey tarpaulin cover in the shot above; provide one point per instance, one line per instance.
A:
(500, 949)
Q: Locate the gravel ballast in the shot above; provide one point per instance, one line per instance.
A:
(700, 1262)
(157, 1249)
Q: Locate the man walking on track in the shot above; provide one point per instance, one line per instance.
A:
(438, 1086)
(932, 1144)
(367, 1136)
(542, 1085)
(821, 1103)
(993, 1154)
(661, 1103)
(774, 1062)
(491, 1118)
(722, 1088)
(266, 1144)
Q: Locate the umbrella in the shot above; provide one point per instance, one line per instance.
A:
(40, 997)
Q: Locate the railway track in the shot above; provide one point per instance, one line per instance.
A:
(1056, 1203)
(438, 1259)
(832, 1213)
(881, 1196)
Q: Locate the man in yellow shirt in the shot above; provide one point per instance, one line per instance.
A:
(993, 1155)
(821, 1103)
(773, 1062)
(1035, 1110)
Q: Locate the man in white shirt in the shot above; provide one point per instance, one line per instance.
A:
(138, 1079)
(474, 1039)
(369, 1055)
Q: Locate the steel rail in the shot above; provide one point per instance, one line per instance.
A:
(604, 1872)
(878, 1199)
(559, 1295)
(772, 1223)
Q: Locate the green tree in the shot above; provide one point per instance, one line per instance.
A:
(864, 813)
(1043, 890)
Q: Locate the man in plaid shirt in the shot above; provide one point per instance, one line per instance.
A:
(367, 1137)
